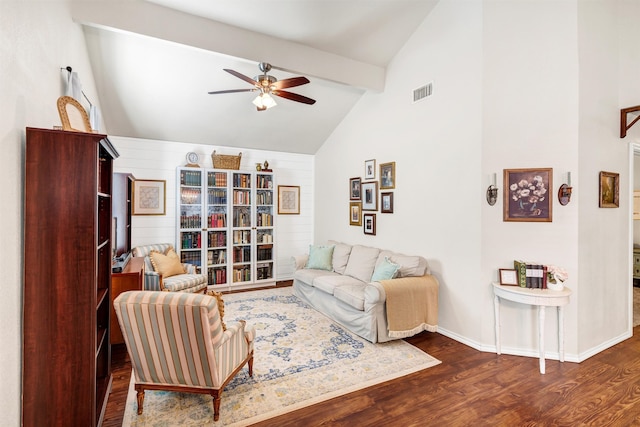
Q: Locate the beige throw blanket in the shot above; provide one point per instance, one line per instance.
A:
(412, 305)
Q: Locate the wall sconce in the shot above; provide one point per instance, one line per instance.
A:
(564, 192)
(492, 192)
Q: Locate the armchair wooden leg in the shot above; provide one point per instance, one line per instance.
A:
(250, 363)
(216, 404)
(140, 397)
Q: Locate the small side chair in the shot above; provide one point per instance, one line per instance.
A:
(200, 356)
(189, 281)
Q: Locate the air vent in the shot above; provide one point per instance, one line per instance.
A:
(423, 92)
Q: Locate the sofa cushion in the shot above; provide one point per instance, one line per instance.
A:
(362, 261)
(320, 257)
(385, 270)
(185, 283)
(410, 265)
(352, 294)
(328, 284)
(307, 275)
(168, 265)
(340, 256)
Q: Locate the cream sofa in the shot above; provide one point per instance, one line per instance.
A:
(377, 294)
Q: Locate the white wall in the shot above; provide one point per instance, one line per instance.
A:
(38, 38)
(149, 159)
(605, 268)
(437, 149)
(530, 110)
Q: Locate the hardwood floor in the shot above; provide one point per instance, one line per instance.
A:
(470, 388)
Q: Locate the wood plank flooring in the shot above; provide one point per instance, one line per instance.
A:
(469, 388)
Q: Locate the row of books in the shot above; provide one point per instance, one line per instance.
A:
(531, 275)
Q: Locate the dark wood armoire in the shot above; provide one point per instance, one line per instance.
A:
(67, 277)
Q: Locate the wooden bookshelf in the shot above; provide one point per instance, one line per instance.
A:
(67, 277)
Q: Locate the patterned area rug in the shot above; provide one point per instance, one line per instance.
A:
(301, 358)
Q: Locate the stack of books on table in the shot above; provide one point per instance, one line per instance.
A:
(531, 275)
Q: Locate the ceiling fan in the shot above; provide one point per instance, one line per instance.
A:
(268, 85)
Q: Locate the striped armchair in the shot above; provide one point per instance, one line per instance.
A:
(191, 281)
(197, 356)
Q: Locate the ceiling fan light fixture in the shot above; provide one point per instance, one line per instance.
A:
(264, 101)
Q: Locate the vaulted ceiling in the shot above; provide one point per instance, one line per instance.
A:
(154, 62)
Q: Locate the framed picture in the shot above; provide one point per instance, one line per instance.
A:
(369, 196)
(354, 188)
(149, 197)
(387, 175)
(370, 169)
(527, 195)
(609, 190)
(355, 213)
(369, 223)
(288, 200)
(386, 202)
(508, 276)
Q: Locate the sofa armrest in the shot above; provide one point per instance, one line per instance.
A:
(189, 268)
(374, 293)
(299, 261)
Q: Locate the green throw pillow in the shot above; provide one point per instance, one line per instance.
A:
(385, 270)
(320, 257)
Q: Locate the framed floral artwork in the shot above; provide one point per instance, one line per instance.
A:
(527, 195)
(369, 221)
(354, 188)
(609, 190)
(369, 196)
(355, 213)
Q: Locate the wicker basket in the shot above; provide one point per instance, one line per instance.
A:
(225, 161)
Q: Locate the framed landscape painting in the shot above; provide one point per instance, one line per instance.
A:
(527, 195)
(609, 190)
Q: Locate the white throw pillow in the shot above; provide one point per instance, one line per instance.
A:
(341, 254)
(361, 263)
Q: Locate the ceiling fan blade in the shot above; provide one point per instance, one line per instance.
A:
(230, 91)
(294, 81)
(242, 77)
(293, 97)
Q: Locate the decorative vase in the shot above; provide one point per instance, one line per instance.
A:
(258, 167)
(558, 286)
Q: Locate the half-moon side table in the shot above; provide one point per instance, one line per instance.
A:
(541, 298)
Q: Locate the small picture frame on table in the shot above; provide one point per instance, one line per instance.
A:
(508, 277)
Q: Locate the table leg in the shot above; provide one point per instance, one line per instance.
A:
(541, 313)
(561, 332)
(496, 308)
